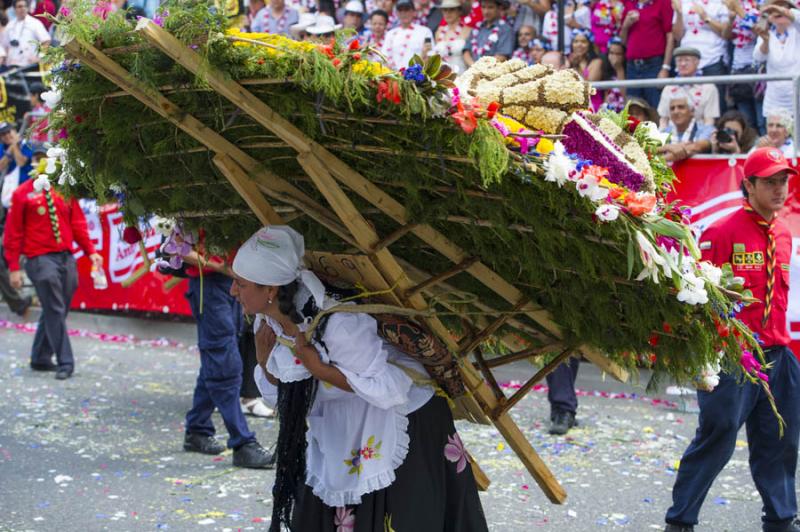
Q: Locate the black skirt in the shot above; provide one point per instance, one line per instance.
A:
(434, 491)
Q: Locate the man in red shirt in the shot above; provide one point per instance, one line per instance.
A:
(647, 34)
(42, 225)
(758, 247)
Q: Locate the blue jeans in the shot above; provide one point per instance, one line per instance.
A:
(220, 375)
(561, 387)
(773, 460)
(645, 69)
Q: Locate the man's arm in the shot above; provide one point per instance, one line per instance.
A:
(14, 235)
(670, 46)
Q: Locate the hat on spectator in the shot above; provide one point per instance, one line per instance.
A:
(324, 24)
(766, 162)
(39, 147)
(450, 4)
(686, 50)
(787, 3)
(501, 3)
(354, 6)
(5, 127)
(649, 112)
(403, 4)
(306, 20)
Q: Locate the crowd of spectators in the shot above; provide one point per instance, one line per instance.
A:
(604, 40)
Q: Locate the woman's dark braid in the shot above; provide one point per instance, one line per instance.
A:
(294, 402)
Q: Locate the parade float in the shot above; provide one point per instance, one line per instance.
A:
(492, 211)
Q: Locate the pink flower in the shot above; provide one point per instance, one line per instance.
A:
(344, 519)
(65, 11)
(102, 9)
(455, 452)
(752, 366)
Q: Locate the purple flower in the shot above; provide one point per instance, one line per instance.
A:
(454, 451)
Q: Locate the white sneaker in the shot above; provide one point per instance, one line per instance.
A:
(256, 407)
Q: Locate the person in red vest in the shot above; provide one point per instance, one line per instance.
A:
(758, 246)
(42, 225)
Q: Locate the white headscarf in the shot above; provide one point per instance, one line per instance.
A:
(273, 256)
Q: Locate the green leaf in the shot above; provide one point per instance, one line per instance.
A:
(432, 65)
(415, 60)
(631, 257)
(370, 441)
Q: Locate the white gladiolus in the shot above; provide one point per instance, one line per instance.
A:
(41, 183)
(711, 272)
(51, 98)
(653, 133)
(607, 212)
(50, 168)
(651, 259)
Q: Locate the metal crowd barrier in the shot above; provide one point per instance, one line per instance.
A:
(717, 80)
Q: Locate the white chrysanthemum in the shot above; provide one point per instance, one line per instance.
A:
(558, 165)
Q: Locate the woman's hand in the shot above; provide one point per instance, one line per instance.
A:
(307, 353)
(265, 342)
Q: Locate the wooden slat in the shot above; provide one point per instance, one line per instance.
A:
(394, 236)
(248, 190)
(440, 277)
(476, 340)
(488, 375)
(522, 355)
(279, 188)
(503, 408)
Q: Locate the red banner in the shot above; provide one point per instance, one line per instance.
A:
(122, 262)
(711, 188)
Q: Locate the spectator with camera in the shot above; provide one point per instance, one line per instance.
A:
(704, 96)
(408, 38)
(614, 99)
(689, 136)
(779, 46)
(733, 135)
(23, 37)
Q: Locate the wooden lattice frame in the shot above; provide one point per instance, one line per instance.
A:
(334, 179)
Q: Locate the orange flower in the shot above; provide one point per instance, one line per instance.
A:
(640, 203)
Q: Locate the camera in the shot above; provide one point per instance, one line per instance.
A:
(726, 135)
(14, 43)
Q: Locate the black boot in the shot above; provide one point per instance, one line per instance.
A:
(782, 526)
(679, 528)
(197, 443)
(254, 456)
(561, 421)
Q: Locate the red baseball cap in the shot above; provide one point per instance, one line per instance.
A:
(766, 162)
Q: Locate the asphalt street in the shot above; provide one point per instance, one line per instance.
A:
(103, 450)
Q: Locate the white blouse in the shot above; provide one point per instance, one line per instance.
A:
(356, 439)
(781, 59)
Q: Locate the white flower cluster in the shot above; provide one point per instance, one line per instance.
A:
(709, 376)
(691, 276)
(536, 95)
(57, 163)
(560, 168)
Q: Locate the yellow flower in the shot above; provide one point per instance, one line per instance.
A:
(545, 146)
(370, 69)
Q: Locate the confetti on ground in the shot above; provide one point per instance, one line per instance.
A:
(105, 449)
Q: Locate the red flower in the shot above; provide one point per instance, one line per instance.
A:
(389, 90)
(466, 119)
(492, 109)
(336, 62)
(357, 56)
(632, 123)
(131, 235)
(653, 340)
(355, 45)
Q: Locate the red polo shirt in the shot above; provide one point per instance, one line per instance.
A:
(648, 36)
(28, 231)
(740, 241)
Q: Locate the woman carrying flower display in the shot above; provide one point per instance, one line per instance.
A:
(364, 443)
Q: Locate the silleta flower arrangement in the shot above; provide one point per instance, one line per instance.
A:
(587, 237)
